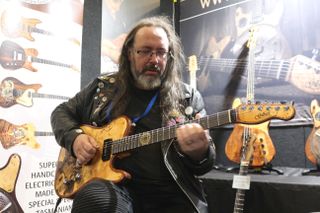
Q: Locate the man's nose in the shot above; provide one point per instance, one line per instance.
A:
(153, 57)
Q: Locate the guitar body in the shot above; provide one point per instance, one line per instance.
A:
(32, 53)
(264, 150)
(312, 147)
(8, 179)
(66, 182)
(13, 91)
(11, 135)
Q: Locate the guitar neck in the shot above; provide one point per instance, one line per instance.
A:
(49, 96)
(275, 69)
(39, 133)
(169, 132)
(240, 194)
(32, 29)
(45, 61)
(239, 201)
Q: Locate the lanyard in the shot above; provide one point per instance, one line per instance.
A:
(151, 103)
(136, 119)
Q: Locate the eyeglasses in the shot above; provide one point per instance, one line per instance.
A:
(161, 54)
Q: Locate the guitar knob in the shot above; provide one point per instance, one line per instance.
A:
(77, 177)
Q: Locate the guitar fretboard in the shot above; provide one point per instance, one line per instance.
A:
(169, 132)
(37, 133)
(17, 93)
(37, 30)
(45, 61)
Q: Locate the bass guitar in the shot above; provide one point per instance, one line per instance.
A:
(114, 141)
(13, 91)
(12, 135)
(8, 179)
(264, 149)
(13, 56)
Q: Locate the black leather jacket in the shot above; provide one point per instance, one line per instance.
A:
(89, 107)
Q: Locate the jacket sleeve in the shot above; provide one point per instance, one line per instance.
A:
(67, 117)
(206, 164)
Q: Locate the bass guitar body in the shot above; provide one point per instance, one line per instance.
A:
(312, 147)
(264, 150)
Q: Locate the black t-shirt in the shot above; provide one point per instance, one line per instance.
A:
(145, 164)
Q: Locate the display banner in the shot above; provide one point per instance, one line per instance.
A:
(40, 54)
(118, 16)
(286, 52)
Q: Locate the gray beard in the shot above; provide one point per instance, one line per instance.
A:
(147, 82)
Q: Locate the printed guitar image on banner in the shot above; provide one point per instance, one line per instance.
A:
(13, 91)
(24, 134)
(13, 56)
(21, 27)
(287, 65)
(8, 178)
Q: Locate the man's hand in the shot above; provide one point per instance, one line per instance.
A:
(193, 140)
(84, 147)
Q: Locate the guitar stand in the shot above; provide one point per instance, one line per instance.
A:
(315, 171)
(217, 167)
(267, 167)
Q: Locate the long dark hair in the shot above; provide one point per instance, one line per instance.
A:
(170, 90)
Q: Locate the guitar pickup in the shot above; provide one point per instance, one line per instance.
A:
(106, 152)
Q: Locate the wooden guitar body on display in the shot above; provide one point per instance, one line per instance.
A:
(8, 179)
(312, 147)
(264, 150)
(114, 142)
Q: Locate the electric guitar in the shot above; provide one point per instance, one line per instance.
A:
(264, 149)
(13, 56)
(24, 27)
(114, 141)
(246, 157)
(12, 135)
(8, 179)
(13, 91)
(312, 147)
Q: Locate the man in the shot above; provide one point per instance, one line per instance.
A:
(147, 89)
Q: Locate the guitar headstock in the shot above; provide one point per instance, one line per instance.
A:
(193, 67)
(252, 40)
(254, 113)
